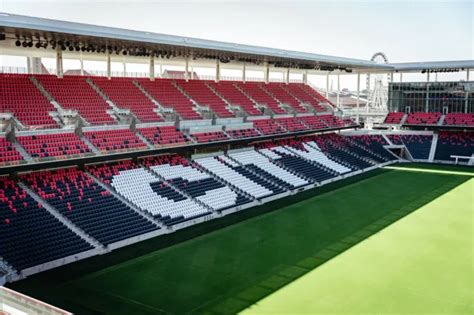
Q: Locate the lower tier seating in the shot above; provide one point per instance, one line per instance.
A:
(89, 206)
(374, 147)
(291, 161)
(29, 234)
(418, 145)
(56, 145)
(114, 140)
(221, 167)
(148, 192)
(199, 185)
(454, 143)
(262, 166)
(8, 154)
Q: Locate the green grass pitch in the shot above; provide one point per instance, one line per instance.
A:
(397, 242)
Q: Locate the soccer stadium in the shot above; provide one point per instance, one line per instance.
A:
(150, 173)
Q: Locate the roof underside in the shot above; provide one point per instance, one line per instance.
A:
(17, 26)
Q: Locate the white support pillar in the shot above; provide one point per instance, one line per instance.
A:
(338, 90)
(186, 69)
(266, 72)
(401, 77)
(109, 67)
(305, 77)
(327, 85)
(244, 74)
(218, 70)
(161, 69)
(467, 74)
(287, 79)
(81, 60)
(34, 65)
(152, 68)
(427, 100)
(124, 64)
(358, 95)
(59, 62)
(466, 100)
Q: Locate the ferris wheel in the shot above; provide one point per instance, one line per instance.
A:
(378, 95)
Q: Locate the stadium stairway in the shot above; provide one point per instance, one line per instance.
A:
(74, 228)
(90, 145)
(22, 151)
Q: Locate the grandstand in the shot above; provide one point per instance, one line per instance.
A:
(90, 164)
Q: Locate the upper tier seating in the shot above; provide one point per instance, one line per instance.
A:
(55, 145)
(374, 144)
(8, 154)
(418, 145)
(300, 93)
(197, 184)
(225, 170)
(204, 137)
(204, 96)
(73, 92)
(163, 135)
(29, 234)
(242, 133)
(454, 143)
(123, 93)
(394, 118)
(20, 96)
(282, 95)
(459, 119)
(266, 169)
(310, 153)
(291, 124)
(148, 192)
(313, 122)
(115, 139)
(255, 91)
(314, 172)
(421, 118)
(234, 96)
(268, 127)
(332, 121)
(93, 209)
(313, 93)
(168, 95)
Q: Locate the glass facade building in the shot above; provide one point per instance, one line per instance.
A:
(444, 97)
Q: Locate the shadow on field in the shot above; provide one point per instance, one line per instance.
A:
(47, 286)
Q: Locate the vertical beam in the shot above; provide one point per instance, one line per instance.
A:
(161, 69)
(244, 72)
(266, 72)
(81, 60)
(401, 77)
(358, 95)
(152, 68)
(338, 104)
(218, 70)
(109, 67)
(305, 77)
(466, 99)
(287, 80)
(124, 64)
(327, 85)
(59, 62)
(186, 69)
(427, 100)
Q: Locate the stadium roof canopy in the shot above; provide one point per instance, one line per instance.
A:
(144, 44)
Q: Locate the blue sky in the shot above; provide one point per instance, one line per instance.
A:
(404, 30)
